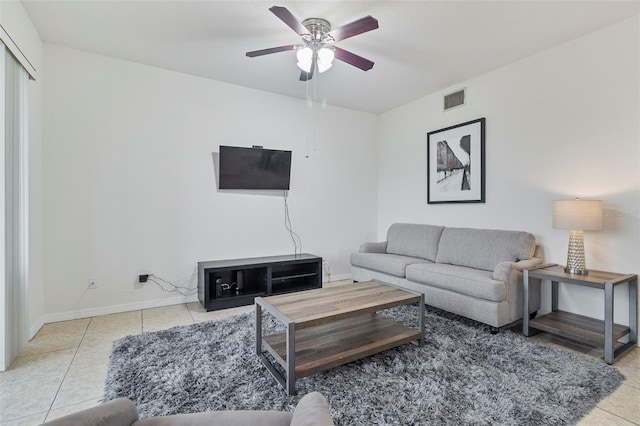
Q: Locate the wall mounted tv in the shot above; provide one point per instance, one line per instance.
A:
(254, 168)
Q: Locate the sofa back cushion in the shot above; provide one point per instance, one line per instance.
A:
(415, 240)
(484, 248)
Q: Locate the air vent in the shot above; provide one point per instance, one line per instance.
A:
(454, 99)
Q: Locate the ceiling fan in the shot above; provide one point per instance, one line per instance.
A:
(317, 50)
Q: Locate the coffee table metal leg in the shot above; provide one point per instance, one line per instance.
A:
(633, 311)
(258, 329)
(421, 320)
(291, 359)
(421, 312)
(286, 380)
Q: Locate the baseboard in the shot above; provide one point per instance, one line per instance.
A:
(340, 277)
(106, 310)
(115, 309)
(36, 327)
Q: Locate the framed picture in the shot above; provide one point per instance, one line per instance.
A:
(455, 164)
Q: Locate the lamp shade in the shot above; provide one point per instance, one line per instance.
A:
(585, 215)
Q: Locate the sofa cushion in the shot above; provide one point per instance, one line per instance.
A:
(415, 240)
(221, 418)
(472, 282)
(392, 264)
(484, 248)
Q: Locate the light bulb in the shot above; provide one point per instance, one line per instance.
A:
(325, 59)
(304, 56)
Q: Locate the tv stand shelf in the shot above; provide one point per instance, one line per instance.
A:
(229, 283)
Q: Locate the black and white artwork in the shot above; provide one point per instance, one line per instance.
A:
(455, 164)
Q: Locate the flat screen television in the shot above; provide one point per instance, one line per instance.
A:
(254, 168)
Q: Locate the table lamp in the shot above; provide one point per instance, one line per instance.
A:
(577, 216)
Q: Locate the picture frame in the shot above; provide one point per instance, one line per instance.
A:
(456, 163)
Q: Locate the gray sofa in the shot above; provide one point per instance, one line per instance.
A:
(476, 273)
(312, 410)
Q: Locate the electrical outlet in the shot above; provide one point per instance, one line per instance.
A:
(91, 284)
(143, 278)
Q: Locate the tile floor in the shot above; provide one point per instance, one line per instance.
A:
(63, 368)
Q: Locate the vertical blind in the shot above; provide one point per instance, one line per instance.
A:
(14, 209)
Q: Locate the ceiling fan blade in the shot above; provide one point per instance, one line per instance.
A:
(354, 28)
(306, 76)
(288, 18)
(353, 59)
(255, 53)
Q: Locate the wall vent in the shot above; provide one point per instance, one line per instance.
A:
(455, 99)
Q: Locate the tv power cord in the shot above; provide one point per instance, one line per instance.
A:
(162, 284)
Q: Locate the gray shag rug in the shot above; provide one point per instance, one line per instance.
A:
(462, 375)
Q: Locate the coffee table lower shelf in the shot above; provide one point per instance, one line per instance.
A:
(329, 345)
(328, 327)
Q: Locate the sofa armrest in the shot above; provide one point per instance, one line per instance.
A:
(510, 273)
(503, 269)
(119, 412)
(312, 410)
(379, 247)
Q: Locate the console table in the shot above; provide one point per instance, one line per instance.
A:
(578, 327)
(237, 282)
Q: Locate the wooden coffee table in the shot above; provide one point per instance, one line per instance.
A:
(329, 327)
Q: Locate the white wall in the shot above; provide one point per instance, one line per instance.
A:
(561, 124)
(130, 188)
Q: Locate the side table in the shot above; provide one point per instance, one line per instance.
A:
(578, 327)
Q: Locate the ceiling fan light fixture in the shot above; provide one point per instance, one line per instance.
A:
(317, 51)
(325, 58)
(305, 58)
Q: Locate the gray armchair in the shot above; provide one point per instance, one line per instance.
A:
(312, 410)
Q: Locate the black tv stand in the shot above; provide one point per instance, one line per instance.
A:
(229, 283)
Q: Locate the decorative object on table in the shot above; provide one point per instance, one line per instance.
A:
(462, 375)
(577, 216)
(455, 164)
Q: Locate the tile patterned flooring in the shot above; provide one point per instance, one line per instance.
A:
(63, 368)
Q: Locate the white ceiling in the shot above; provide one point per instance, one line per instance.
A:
(421, 46)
